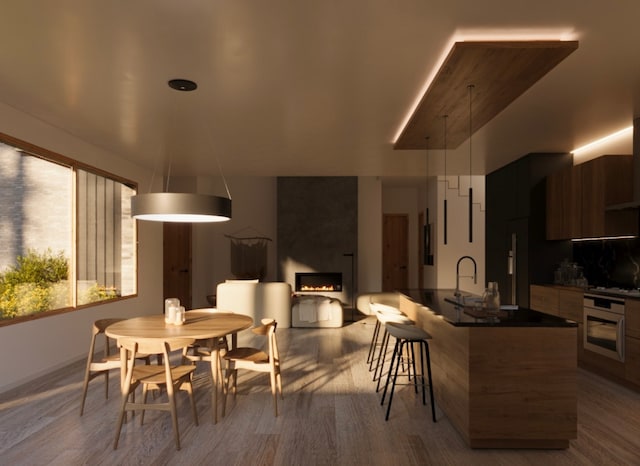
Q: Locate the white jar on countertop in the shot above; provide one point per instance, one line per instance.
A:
(491, 297)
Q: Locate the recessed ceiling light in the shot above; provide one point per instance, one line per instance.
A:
(182, 85)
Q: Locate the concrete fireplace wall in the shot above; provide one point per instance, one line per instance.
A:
(318, 229)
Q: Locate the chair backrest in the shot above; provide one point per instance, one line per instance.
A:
(99, 326)
(268, 329)
(211, 310)
(154, 345)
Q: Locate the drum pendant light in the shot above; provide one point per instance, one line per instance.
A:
(181, 207)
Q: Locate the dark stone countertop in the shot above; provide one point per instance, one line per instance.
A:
(440, 302)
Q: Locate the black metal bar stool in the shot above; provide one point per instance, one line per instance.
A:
(406, 335)
(385, 317)
(375, 309)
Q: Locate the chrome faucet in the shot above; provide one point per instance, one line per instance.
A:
(474, 276)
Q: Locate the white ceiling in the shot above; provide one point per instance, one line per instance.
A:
(299, 87)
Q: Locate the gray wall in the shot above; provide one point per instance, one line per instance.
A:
(317, 226)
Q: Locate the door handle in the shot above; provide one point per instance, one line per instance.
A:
(620, 338)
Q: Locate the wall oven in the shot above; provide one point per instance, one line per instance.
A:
(604, 326)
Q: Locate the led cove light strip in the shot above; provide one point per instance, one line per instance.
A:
(576, 240)
(476, 36)
(608, 138)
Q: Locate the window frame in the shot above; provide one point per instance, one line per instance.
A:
(74, 165)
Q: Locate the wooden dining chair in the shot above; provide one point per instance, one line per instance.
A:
(165, 376)
(255, 359)
(202, 350)
(101, 366)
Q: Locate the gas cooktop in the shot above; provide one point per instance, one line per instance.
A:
(622, 292)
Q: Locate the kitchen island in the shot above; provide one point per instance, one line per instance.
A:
(504, 380)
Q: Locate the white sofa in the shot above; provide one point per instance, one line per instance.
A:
(257, 300)
(316, 311)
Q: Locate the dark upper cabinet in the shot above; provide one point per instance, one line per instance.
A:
(577, 199)
(516, 212)
(564, 203)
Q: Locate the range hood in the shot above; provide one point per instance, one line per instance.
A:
(635, 203)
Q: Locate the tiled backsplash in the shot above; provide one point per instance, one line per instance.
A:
(610, 263)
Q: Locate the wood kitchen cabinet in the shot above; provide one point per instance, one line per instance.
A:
(563, 302)
(544, 299)
(632, 341)
(567, 302)
(564, 203)
(578, 196)
(607, 181)
(559, 301)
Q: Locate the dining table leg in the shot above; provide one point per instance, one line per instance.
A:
(123, 368)
(215, 362)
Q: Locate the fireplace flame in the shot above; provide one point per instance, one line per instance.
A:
(318, 288)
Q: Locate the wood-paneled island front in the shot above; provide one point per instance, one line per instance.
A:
(506, 381)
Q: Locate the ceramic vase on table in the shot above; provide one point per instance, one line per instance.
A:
(171, 307)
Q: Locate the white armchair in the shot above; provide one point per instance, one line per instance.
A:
(258, 300)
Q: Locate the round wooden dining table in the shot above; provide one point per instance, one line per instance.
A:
(199, 324)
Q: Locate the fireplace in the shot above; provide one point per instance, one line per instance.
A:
(318, 281)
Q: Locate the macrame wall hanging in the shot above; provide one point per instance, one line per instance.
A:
(248, 256)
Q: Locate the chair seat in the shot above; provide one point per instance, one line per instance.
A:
(385, 318)
(101, 366)
(248, 354)
(156, 374)
(165, 376)
(407, 332)
(105, 364)
(255, 359)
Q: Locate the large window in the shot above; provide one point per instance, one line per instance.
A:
(66, 234)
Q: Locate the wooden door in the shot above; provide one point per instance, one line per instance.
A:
(395, 252)
(177, 262)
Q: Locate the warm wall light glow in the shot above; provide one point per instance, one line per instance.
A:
(423, 90)
(485, 35)
(607, 139)
(477, 36)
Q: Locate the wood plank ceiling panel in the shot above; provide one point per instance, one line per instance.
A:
(499, 71)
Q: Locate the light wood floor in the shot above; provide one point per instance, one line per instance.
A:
(330, 415)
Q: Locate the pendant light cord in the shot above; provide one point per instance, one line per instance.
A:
(445, 213)
(444, 117)
(224, 180)
(426, 145)
(471, 86)
(166, 188)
